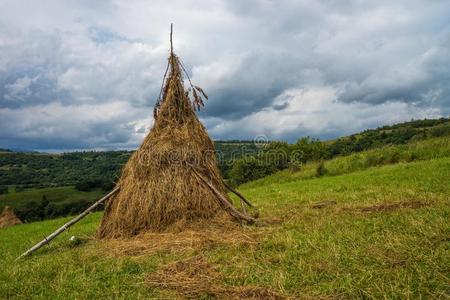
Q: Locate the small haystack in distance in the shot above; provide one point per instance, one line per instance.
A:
(8, 217)
(173, 178)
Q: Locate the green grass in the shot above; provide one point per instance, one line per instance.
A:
(339, 251)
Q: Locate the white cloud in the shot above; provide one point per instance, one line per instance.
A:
(20, 89)
(316, 112)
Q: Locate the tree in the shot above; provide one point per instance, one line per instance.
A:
(3, 190)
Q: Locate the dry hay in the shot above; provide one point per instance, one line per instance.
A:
(182, 238)
(195, 277)
(8, 218)
(161, 185)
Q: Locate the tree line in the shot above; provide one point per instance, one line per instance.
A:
(277, 156)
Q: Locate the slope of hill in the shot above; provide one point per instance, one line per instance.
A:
(377, 232)
(396, 134)
(432, 148)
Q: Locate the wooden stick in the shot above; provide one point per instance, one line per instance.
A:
(171, 44)
(225, 203)
(240, 199)
(47, 239)
(238, 194)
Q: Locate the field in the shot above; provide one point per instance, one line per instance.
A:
(373, 231)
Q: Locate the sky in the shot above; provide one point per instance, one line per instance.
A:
(78, 75)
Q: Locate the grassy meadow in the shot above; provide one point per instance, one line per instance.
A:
(373, 225)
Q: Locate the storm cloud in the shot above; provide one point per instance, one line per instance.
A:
(85, 75)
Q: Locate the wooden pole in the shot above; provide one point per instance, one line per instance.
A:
(60, 230)
(238, 194)
(171, 44)
(225, 203)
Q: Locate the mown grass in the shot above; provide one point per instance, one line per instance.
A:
(360, 246)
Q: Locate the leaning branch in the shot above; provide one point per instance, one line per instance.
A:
(237, 194)
(223, 201)
(47, 239)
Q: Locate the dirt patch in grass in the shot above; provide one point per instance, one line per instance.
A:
(323, 204)
(198, 236)
(272, 221)
(195, 277)
(386, 207)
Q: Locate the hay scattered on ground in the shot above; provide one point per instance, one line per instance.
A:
(8, 217)
(195, 277)
(187, 237)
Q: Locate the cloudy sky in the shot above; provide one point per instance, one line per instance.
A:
(86, 74)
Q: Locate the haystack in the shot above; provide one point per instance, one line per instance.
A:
(173, 178)
(8, 217)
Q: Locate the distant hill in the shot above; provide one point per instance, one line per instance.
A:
(35, 169)
(96, 169)
(43, 170)
(396, 134)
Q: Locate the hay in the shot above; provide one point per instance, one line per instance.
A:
(8, 218)
(184, 238)
(195, 278)
(158, 185)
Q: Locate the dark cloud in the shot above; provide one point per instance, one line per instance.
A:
(76, 75)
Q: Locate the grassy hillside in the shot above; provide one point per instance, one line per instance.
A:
(375, 232)
(415, 151)
(396, 134)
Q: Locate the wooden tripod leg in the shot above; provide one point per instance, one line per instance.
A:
(60, 230)
(224, 202)
(238, 194)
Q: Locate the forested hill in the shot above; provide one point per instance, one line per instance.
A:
(396, 134)
(101, 169)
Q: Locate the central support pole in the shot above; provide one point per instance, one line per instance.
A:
(171, 44)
